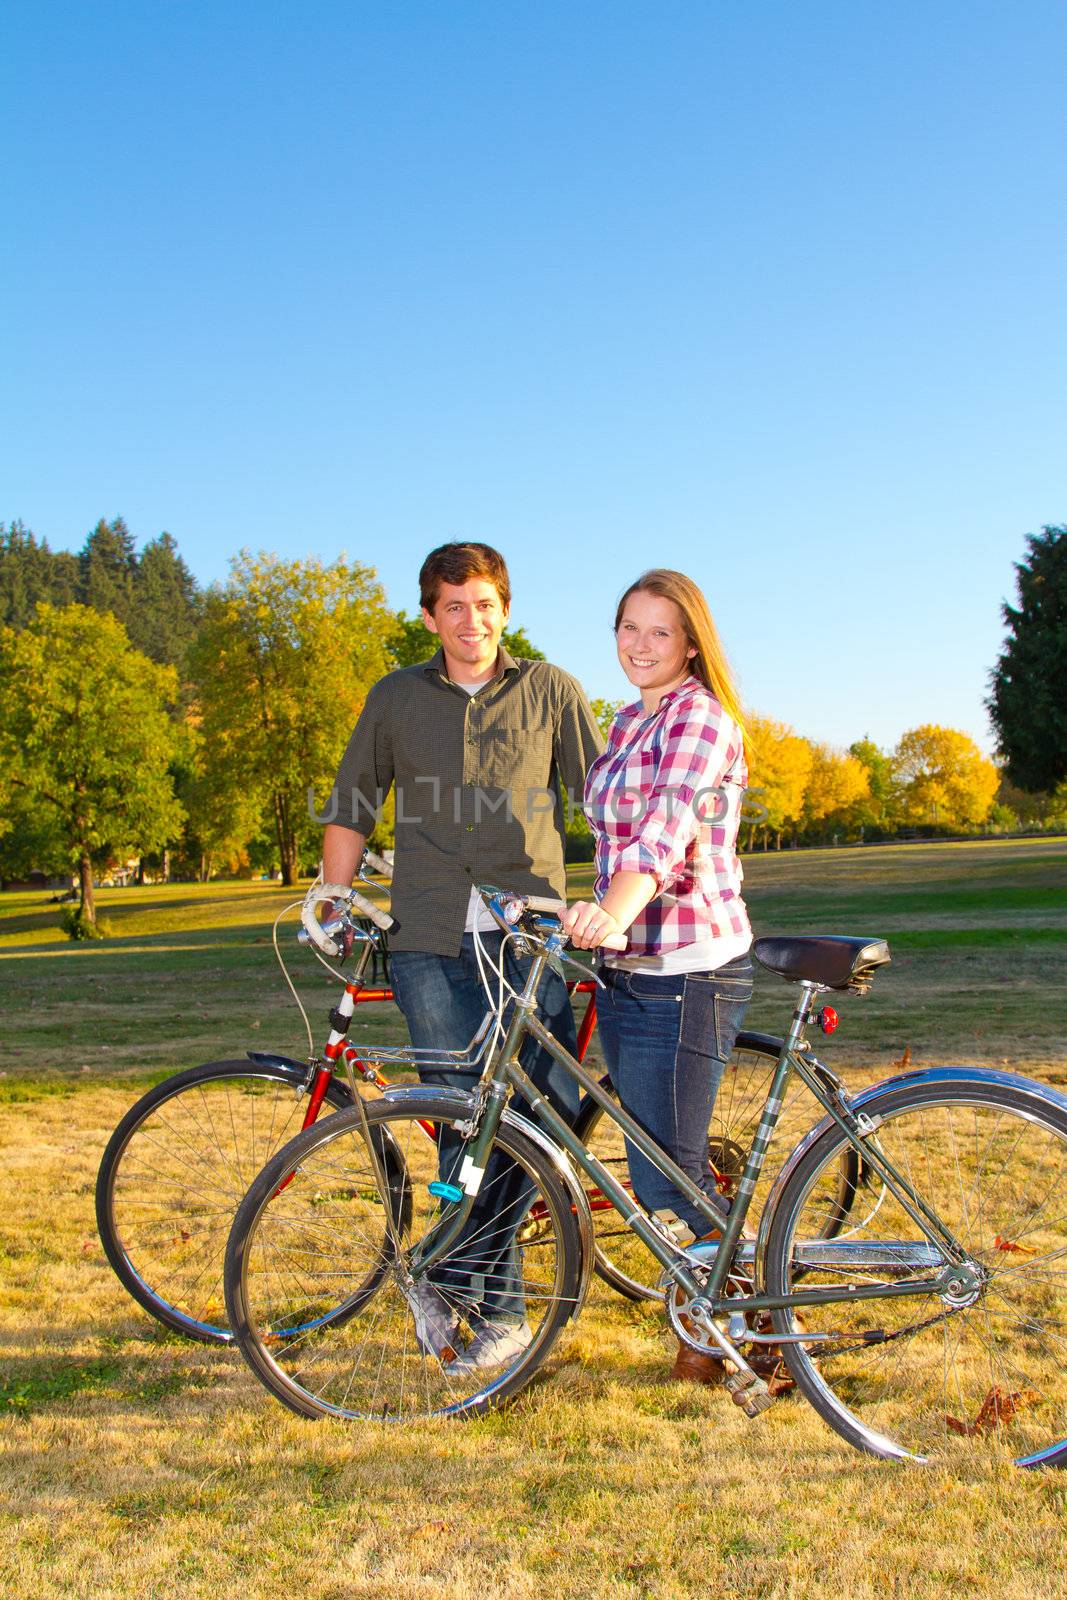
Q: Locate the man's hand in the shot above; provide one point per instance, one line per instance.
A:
(588, 924)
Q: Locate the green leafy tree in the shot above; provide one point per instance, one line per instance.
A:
(879, 808)
(222, 817)
(1028, 704)
(86, 739)
(29, 838)
(284, 658)
(944, 778)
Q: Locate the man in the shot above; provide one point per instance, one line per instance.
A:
(475, 744)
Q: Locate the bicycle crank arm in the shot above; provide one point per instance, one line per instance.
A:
(747, 1389)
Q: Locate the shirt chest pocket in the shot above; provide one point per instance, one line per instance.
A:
(518, 759)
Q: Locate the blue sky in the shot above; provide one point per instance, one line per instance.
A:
(771, 292)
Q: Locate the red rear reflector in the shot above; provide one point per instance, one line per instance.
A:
(828, 1019)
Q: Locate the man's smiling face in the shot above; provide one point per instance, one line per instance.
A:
(469, 619)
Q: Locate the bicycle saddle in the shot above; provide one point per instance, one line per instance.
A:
(829, 959)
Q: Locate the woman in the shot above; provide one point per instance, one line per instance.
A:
(664, 803)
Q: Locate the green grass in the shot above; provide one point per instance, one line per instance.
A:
(976, 933)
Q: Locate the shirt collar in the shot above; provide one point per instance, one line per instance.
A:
(686, 687)
(435, 667)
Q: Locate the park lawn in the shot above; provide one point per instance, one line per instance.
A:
(135, 1463)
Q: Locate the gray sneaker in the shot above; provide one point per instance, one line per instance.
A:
(494, 1345)
(436, 1323)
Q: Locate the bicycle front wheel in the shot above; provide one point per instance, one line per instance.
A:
(174, 1172)
(981, 1364)
(312, 1235)
(621, 1259)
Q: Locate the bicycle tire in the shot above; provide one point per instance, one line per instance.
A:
(620, 1260)
(164, 1233)
(291, 1260)
(980, 1367)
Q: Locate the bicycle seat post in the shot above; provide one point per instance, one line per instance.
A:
(794, 1039)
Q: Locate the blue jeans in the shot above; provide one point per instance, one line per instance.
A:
(443, 1004)
(666, 1041)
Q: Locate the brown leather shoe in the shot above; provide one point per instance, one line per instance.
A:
(695, 1366)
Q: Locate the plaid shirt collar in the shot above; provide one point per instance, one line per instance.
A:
(636, 709)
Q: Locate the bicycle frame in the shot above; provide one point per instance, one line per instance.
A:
(337, 1051)
(504, 1073)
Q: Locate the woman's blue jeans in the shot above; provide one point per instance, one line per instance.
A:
(443, 1004)
(666, 1041)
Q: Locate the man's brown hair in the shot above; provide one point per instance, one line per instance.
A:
(456, 563)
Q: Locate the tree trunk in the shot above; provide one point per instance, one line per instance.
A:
(85, 883)
(286, 841)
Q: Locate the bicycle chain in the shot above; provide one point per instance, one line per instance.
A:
(883, 1337)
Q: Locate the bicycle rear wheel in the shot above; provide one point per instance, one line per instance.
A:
(174, 1172)
(980, 1365)
(621, 1259)
(312, 1233)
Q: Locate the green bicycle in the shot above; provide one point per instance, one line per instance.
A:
(926, 1319)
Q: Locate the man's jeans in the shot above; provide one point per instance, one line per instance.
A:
(443, 1004)
(666, 1041)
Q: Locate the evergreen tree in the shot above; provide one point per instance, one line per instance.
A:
(29, 573)
(1028, 705)
(166, 603)
(107, 565)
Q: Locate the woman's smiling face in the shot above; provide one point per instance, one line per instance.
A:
(654, 649)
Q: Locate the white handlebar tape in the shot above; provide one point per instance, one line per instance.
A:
(377, 864)
(342, 892)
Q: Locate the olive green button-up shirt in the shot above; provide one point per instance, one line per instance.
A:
(477, 786)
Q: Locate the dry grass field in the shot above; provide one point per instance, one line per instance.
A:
(135, 1463)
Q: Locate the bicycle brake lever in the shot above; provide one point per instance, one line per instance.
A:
(586, 972)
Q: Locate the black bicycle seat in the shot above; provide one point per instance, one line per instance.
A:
(831, 960)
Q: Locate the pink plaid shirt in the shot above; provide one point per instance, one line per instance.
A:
(665, 798)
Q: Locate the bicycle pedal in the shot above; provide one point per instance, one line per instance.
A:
(751, 1394)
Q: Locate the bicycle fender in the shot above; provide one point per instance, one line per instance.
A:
(1040, 1093)
(420, 1091)
(270, 1058)
(575, 1189)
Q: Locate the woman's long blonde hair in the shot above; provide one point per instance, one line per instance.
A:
(709, 664)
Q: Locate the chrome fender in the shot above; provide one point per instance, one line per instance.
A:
(419, 1091)
(466, 1100)
(1039, 1093)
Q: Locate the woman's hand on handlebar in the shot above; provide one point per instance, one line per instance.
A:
(588, 925)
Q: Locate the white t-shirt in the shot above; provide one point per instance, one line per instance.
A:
(703, 955)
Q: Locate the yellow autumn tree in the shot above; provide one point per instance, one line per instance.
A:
(943, 777)
(779, 763)
(836, 782)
